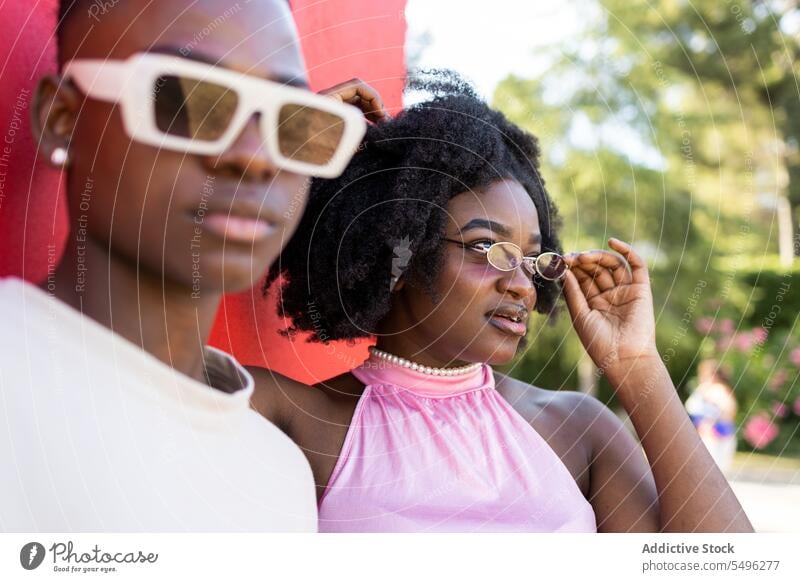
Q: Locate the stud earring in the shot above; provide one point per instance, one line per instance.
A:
(393, 283)
(59, 156)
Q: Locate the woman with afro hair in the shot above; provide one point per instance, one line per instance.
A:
(438, 241)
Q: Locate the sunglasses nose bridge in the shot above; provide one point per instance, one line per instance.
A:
(530, 266)
(250, 133)
(248, 152)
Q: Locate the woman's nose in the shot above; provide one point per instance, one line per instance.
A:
(517, 282)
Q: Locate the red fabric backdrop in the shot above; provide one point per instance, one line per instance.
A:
(33, 223)
(341, 39)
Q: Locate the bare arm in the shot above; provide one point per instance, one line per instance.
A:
(264, 400)
(277, 397)
(622, 491)
(307, 416)
(693, 493)
(611, 306)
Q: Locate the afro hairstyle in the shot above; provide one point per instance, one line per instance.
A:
(336, 271)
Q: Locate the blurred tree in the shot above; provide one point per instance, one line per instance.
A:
(663, 127)
(740, 57)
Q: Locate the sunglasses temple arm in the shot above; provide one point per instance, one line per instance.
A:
(103, 80)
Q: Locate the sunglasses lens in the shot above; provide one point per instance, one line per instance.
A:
(309, 135)
(551, 266)
(505, 256)
(193, 109)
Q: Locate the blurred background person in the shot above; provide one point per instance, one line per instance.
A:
(712, 408)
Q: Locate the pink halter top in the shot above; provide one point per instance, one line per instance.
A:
(446, 454)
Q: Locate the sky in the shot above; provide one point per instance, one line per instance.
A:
(486, 41)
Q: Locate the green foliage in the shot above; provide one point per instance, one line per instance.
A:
(667, 126)
(774, 297)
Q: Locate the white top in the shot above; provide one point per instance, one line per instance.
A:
(97, 435)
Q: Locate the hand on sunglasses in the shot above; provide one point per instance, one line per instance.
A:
(611, 305)
(358, 93)
(179, 104)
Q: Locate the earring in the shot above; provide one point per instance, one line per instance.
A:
(59, 156)
(393, 283)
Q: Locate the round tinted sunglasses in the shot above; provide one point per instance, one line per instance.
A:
(506, 256)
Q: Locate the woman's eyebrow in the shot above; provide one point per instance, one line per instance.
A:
(201, 57)
(495, 227)
(487, 224)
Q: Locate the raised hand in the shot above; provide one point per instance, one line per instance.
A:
(611, 305)
(357, 92)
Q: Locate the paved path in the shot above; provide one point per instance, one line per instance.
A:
(769, 490)
(771, 507)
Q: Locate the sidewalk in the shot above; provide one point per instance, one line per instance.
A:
(758, 468)
(769, 490)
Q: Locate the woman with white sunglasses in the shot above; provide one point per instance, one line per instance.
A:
(182, 159)
(440, 240)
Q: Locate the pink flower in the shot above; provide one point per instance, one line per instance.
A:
(779, 409)
(743, 341)
(759, 335)
(794, 357)
(726, 326)
(796, 406)
(704, 325)
(777, 380)
(759, 430)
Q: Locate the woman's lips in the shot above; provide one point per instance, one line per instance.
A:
(237, 228)
(505, 325)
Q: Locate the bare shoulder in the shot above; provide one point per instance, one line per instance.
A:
(276, 397)
(284, 401)
(567, 412)
(344, 387)
(567, 404)
(562, 418)
(600, 452)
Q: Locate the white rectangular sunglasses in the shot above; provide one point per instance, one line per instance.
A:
(179, 104)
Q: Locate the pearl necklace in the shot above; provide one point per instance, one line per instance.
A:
(424, 369)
